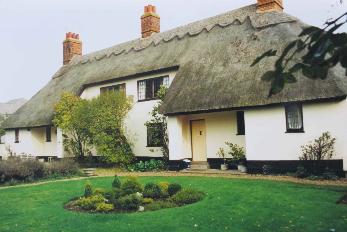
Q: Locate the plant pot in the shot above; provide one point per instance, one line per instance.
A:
(223, 167)
(242, 168)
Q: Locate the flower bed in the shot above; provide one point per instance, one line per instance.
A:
(130, 196)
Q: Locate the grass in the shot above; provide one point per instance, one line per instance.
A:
(230, 205)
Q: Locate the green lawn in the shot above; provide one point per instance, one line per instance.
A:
(230, 205)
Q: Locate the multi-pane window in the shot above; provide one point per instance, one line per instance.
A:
(240, 115)
(16, 135)
(148, 89)
(155, 135)
(115, 88)
(294, 118)
(48, 134)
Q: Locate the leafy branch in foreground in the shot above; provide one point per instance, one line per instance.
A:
(322, 48)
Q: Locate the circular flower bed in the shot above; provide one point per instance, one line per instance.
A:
(131, 196)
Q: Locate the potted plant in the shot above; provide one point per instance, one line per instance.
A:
(221, 153)
(238, 155)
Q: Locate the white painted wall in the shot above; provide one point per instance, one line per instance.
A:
(266, 137)
(220, 128)
(136, 131)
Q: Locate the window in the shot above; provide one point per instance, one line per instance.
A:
(16, 135)
(48, 134)
(148, 89)
(115, 88)
(154, 135)
(294, 118)
(240, 115)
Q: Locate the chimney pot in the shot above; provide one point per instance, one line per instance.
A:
(264, 6)
(72, 46)
(150, 21)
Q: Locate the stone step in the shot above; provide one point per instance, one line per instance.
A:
(200, 165)
(89, 171)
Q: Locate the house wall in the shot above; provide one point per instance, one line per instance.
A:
(266, 137)
(136, 131)
(220, 128)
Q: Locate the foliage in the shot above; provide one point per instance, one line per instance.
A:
(108, 112)
(158, 205)
(267, 169)
(117, 193)
(164, 186)
(63, 167)
(159, 119)
(222, 154)
(104, 207)
(88, 190)
(321, 149)
(15, 169)
(90, 203)
(129, 202)
(301, 172)
(236, 152)
(99, 191)
(147, 166)
(174, 188)
(187, 196)
(2, 131)
(152, 190)
(131, 185)
(147, 201)
(71, 115)
(319, 50)
(116, 182)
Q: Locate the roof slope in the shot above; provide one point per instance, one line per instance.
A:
(213, 55)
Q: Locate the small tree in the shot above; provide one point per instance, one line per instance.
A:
(72, 116)
(159, 119)
(236, 152)
(321, 149)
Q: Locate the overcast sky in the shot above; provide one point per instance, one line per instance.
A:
(32, 31)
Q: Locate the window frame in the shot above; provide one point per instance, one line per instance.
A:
(291, 130)
(117, 87)
(153, 93)
(241, 126)
(16, 135)
(149, 143)
(48, 135)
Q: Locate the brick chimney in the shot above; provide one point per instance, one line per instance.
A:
(264, 6)
(150, 21)
(72, 46)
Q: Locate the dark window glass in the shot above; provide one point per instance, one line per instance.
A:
(240, 123)
(48, 134)
(148, 89)
(294, 118)
(154, 135)
(16, 135)
(116, 88)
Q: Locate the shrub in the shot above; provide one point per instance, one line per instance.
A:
(174, 188)
(99, 191)
(236, 152)
(63, 167)
(164, 186)
(109, 195)
(118, 193)
(301, 172)
(129, 202)
(267, 169)
(152, 191)
(329, 175)
(88, 190)
(187, 196)
(104, 208)
(147, 166)
(321, 149)
(147, 201)
(116, 182)
(157, 205)
(16, 169)
(131, 185)
(90, 203)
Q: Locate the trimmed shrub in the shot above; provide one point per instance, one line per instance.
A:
(63, 167)
(131, 185)
(90, 203)
(116, 182)
(173, 189)
(99, 191)
(268, 169)
(187, 196)
(152, 191)
(20, 170)
(88, 190)
(147, 166)
(301, 172)
(129, 202)
(104, 208)
(147, 201)
(118, 193)
(158, 205)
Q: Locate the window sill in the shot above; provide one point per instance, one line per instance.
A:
(240, 134)
(48, 141)
(295, 132)
(145, 100)
(149, 146)
(16, 142)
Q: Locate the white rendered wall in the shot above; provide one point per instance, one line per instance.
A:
(136, 131)
(266, 137)
(220, 128)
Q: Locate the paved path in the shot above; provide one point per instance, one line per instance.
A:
(108, 173)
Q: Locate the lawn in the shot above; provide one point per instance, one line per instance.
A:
(230, 205)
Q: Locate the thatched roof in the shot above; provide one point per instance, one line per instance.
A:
(214, 57)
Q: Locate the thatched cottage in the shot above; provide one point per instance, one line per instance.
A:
(214, 95)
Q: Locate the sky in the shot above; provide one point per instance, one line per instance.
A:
(32, 31)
